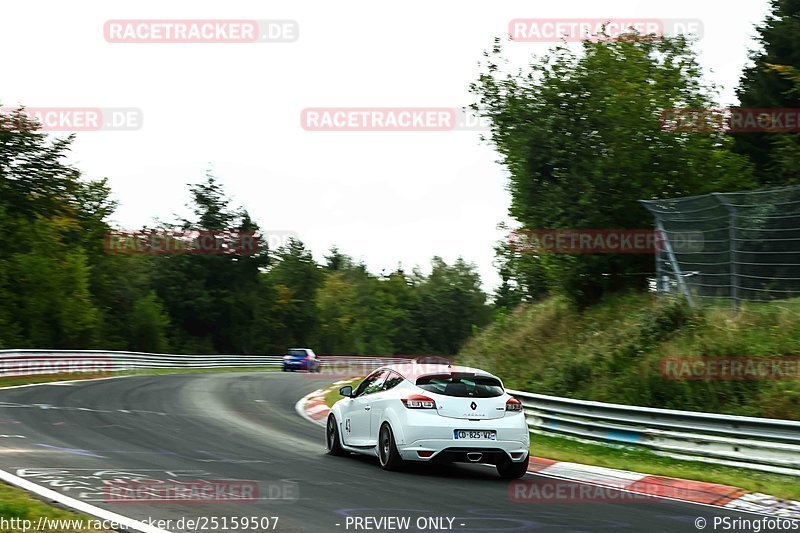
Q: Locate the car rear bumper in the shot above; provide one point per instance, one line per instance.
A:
(434, 435)
(478, 455)
(492, 452)
(295, 366)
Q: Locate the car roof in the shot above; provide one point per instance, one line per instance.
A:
(429, 369)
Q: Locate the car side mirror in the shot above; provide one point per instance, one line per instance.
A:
(346, 391)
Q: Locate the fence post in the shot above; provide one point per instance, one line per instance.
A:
(674, 262)
(659, 282)
(731, 248)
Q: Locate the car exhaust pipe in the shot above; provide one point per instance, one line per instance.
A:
(474, 456)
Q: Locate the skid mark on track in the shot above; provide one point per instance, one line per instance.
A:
(75, 451)
(89, 484)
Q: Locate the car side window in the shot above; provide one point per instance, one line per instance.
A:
(392, 380)
(371, 383)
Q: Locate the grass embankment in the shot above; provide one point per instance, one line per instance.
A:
(611, 352)
(332, 393)
(48, 378)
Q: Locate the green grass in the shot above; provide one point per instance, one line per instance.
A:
(611, 352)
(332, 393)
(16, 503)
(639, 459)
(25, 380)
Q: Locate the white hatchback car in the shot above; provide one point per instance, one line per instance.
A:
(430, 413)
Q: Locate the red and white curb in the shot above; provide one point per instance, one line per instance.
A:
(312, 407)
(668, 487)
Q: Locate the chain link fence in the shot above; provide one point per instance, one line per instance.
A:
(743, 245)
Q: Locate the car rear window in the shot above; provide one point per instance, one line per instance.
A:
(462, 386)
(301, 353)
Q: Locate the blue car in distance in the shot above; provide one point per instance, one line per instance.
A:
(300, 359)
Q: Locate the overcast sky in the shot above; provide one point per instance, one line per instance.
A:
(383, 197)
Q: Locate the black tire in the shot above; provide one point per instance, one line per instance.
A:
(388, 455)
(332, 438)
(283, 368)
(511, 470)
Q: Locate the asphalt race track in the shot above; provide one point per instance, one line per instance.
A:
(243, 426)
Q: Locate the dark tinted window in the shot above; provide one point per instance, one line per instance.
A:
(301, 353)
(462, 386)
(393, 380)
(371, 383)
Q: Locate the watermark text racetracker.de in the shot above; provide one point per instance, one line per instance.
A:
(597, 29)
(343, 367)
(392, 119)
(31, 365)
(732, 119)
(203, 491)
(603, 241)
(168, 241)
(71, 119)
(180, 242)
(162, 31)
(549, 491)
(764, 368)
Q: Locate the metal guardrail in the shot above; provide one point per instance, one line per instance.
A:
(36, 362)
(766, 444)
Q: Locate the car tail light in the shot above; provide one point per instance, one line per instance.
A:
(417, 401)
(424, 453)
(512, 404)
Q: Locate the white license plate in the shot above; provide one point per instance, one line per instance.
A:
(479, 434)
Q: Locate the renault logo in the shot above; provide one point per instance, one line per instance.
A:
(473, 406)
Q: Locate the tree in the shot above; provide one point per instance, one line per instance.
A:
(296, 277)
(762, 85)
(148, 325)
(581, 136)
(451, 304)
(210, 298)
(52, 284)
(45, 270)
(337, 306)
(403, 294)
(61, 288)
(336, 260)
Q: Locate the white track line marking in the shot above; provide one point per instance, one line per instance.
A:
(78, 505)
